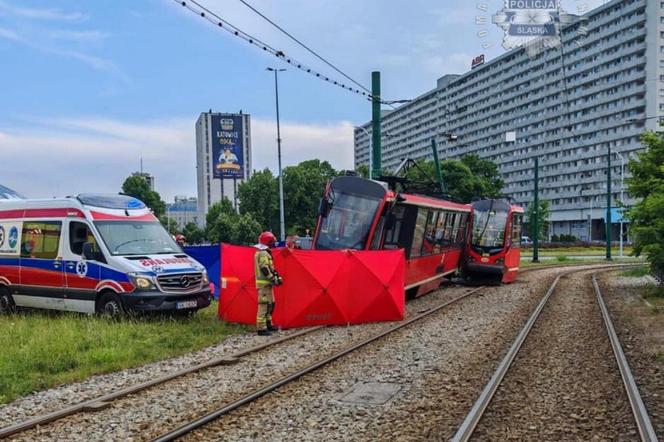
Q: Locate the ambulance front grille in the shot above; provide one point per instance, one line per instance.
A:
(180, 282)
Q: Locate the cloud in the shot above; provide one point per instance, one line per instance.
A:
(78, 36)
(66, 156)
(41, 14)
(45, 43)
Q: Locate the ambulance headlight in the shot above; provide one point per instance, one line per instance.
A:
(206, 279)
(141, 282)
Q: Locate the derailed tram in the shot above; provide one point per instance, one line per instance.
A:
(494, 243)
(361, 214)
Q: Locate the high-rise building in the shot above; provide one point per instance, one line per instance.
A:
(149, 178)
(223, 157)
(601, 89)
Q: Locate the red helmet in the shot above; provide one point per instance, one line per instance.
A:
(267, 239)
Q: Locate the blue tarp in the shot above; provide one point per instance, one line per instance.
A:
(210, 257)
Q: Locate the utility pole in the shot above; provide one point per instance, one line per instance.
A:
(536, 220)
(622, 198)
(376, 166)
(282, 231)
(608, 207)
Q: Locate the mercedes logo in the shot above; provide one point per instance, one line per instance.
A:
(185, 281)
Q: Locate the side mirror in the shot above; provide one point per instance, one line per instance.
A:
(90, 253)
(324, 207)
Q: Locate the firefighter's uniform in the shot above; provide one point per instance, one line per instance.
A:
(266, 278)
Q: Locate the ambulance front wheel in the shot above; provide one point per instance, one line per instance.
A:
(110, 305)
(7, 305)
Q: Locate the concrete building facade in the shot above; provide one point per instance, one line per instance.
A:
(183, 211)
(567, 106)
(211, 189)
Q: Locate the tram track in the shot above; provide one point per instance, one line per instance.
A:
(81, 411)
(565, 376)
(85, 409)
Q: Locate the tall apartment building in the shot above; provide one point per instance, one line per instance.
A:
(148, 177)
(515, 108)
(223, 157)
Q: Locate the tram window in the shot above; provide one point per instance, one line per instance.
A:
(428, 245)
(392, 234)
(517, 222)
(378, 234)
(449, 228)
(440, 227)
(418, 233)
(461, 231)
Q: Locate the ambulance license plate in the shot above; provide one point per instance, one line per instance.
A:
(186, 304)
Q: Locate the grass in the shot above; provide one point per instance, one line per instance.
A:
(636, 272)
(527, 261)
(41, 349)
(562, 258)
(659, 357)
(577, 251)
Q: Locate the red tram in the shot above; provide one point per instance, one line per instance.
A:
(361, 214)
(494, 245)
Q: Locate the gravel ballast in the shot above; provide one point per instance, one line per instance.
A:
(438, 366)
(564, 383)
(640, 328)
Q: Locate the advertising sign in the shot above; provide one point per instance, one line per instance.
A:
(9, 238)
(227, 146)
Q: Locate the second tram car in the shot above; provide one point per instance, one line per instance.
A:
(494, 244)
(362, 214)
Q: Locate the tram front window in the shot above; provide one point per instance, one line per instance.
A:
(489, 228)
(348, 222)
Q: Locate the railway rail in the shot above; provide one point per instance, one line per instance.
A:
(477, 412)
(103, 401)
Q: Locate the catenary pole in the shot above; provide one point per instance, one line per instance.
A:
(608, 206)
(436, 162)
(375, 118)
(536, 220)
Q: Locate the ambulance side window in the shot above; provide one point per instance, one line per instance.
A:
(79, 234)
(40, 239)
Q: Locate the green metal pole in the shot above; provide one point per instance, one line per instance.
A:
(536, 220)
(608, 207)
(375, 118)
(436, 162)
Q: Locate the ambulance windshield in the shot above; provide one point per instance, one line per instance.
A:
(136, 238)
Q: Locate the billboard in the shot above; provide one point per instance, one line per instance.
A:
(227, 146)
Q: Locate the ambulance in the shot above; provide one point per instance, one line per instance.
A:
(94, 253)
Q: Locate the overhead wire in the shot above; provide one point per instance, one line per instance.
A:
(289, 35)
(222, 23)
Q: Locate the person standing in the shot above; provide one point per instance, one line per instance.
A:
(266, 278)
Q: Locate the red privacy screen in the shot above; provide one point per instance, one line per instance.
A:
(320, 287)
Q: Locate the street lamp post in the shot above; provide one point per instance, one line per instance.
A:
(281, 178)
(370, 151)
(622, 196)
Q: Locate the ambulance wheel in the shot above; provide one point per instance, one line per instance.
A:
(110, 305)
(7, 306)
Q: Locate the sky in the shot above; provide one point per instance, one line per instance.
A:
(90, 87)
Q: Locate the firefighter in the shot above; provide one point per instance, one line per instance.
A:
(266, 278)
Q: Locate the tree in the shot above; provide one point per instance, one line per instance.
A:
(465, 179)
(259, 196)
(647, 216)
(488, 174)
(224, 224)
(193, 233)
(170, 224)
(304, 185)
(542, 222)
(138, 187)
(362, 170)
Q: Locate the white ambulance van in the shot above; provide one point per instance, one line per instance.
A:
(94, 254)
